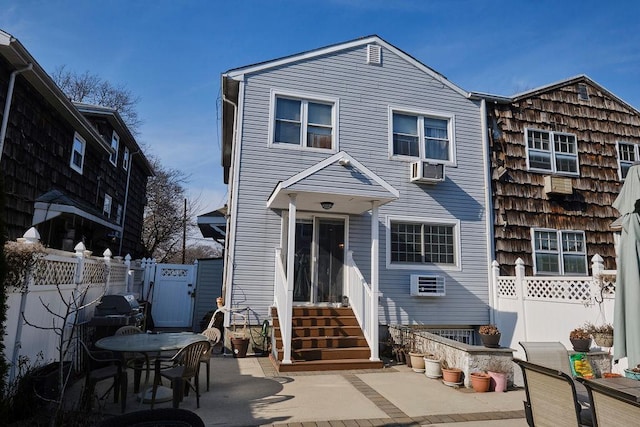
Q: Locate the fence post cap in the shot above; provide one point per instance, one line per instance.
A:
(31, 236)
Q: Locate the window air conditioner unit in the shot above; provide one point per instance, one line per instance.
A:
(557, 185)
(427, 286)
(430, 173)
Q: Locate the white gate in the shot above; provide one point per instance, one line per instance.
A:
(173, 295)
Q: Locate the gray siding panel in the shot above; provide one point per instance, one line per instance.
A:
(365, 93)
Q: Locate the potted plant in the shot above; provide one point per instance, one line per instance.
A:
(417, 361)
(451, 376)
(602, 334)
(480, 381)
(489, 335)
(432, 368)
(580, 339)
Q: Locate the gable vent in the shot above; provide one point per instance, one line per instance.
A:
(374, 54)
(427, 286)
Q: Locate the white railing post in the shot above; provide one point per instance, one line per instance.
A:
(375, 244)
(597, 267)
(521, 292)
(80, 254)
(127, 263)
(288, 308)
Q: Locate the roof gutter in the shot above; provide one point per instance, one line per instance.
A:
(7, 104)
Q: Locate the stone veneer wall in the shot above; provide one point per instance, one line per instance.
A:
(472, 358)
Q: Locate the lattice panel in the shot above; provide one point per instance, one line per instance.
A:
(174, 272)
(608, 286)
(118, 273)
(94, 272)
(566, 290)
(507, 287)
(55, 272)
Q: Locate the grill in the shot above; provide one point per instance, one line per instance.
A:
(117, 310)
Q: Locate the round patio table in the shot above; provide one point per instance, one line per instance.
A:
(150, 343)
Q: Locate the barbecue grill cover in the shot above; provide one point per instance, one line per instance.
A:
(116, 304)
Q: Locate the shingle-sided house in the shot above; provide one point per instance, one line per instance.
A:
(559, 154)
(356, 176)
(74, 172)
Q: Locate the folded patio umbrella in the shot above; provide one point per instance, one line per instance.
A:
(626, 318)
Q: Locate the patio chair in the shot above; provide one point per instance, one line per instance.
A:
(551, 397)
(135, 360)
(609, 408)
(182, 367)
(101, 365)
(554, 355)
(213, 335)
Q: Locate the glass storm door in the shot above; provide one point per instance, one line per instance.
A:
(319, 258)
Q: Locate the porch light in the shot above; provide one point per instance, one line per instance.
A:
(326, 205)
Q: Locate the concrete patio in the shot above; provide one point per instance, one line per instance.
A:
(249, 392)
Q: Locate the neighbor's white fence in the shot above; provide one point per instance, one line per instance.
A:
(58, 277)
(547, 308)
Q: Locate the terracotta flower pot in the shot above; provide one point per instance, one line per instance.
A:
(417, 361)
(498, 381)
(452, 375)
(480, 381)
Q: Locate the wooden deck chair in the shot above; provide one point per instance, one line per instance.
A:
(554, 355)
(609, 408)
(551, 397)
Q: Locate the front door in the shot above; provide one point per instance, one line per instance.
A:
(319, 258)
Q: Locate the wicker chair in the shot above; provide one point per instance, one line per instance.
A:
(551, 397)
(610, 408)
(181, 368)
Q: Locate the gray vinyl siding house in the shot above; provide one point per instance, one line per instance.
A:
(355, 156)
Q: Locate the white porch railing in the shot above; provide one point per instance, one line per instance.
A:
(361, 301)
(284, 302)
(547, 308)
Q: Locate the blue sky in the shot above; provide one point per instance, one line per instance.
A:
(171, 53)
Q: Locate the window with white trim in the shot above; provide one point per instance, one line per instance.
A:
(115, 142)
(77, 153)
(417, 242)
(106, 207)
(559, 252)
(125, 158)
(303, 123)
(554, 152)
(627, 157)
(425, 136)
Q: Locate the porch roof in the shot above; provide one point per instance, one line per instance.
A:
(338, 184)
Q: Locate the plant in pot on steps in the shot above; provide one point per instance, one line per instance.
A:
(602, 334)
(580, 339)
(451, 376)
(489, 335)
(480, 381)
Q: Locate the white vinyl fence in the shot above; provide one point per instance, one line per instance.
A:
(58, 279)
(547, 308)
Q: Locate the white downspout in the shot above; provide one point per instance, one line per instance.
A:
(7, 104)
(126, 199)
(489, 211)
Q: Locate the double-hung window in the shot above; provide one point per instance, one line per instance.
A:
(554, 152)
(304, 122)
(627, 157)
(115, 142)
(559, 252)
(420, 242)
(106, 207)
(425, 136)
(77, 153)
(125, 159)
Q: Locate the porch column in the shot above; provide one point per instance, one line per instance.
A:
(374, 281)
(291, 250)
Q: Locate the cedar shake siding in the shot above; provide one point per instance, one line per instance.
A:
(520, 202)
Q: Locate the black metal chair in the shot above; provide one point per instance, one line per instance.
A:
(101, 365)
(180, 369)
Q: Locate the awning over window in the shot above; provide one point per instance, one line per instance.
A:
(214, 224)
(55, 203)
